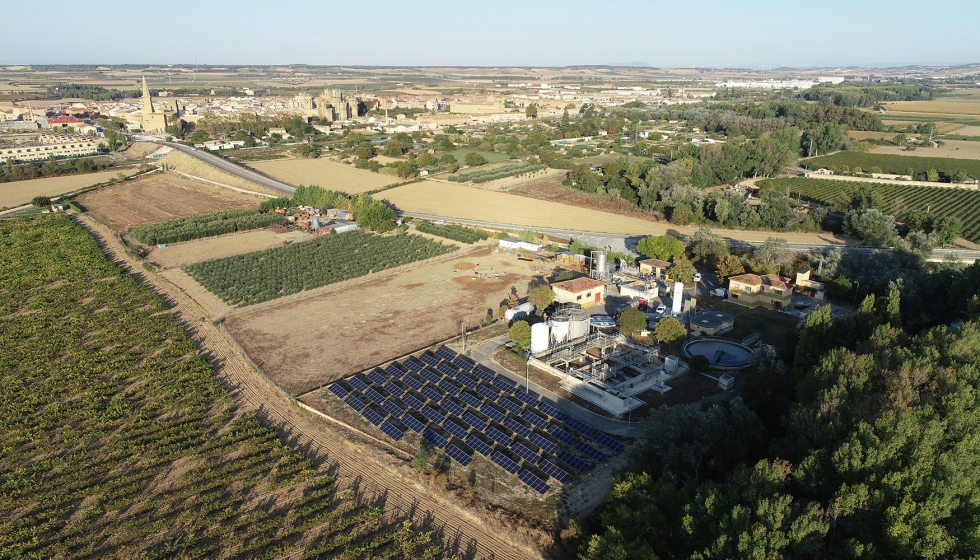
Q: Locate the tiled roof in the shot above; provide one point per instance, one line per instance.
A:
(766, 279)
(577, 285)
(656, 263)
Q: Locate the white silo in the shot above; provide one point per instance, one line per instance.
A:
(578, 323)
(678, 298)
(670, 364)
(559, 329)
(601, 266)
(540, 334)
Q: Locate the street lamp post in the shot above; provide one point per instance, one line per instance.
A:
(856, 288)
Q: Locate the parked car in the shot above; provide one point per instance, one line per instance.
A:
(661, 309)
(718, 292)
(697, 276)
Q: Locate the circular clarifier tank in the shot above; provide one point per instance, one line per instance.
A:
(721, 353)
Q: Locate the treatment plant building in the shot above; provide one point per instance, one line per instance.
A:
(583, 291)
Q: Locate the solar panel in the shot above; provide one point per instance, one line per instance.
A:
(413, 423)
(493, 413)
(505, 385)
(372, 416)
(338, 390)
(445, 353)
(554, 471)
(454, 429)
(459, 455)
(433, 414)
(354, 403)
(463, 363)
(358, 384)
(478, 445)
(510, 405)
(505, 462)
(523, 395)
(451, 406)
(565, 437)
(488, 392)
(392, 432)
(526, 453)
(572, 461)
(533, 481)
(498, 436)
(374, 396)
(447, 369)
(434, 438)
(517, 427)
(395, 371)
(377, 377)
(449, 387)
(591, 452)
(466, 381)
(393, 409)
(475, 421)
(484, 373)
(544, 443)
(433, 394)
(534, 419)
(429, 359)
(413, 364)
(412, 401)
(551, 411)
(431, 376)
(393, 388)
(580, 427)
(413, 382)
(609, 442)
(470, 399)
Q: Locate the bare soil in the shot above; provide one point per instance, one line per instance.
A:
(158, 197)
(956, 149)
(326, 173)
(21, 192)
(306, 342)
(190, 252)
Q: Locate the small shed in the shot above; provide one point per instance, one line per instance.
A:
(583, 291)
(518, 245)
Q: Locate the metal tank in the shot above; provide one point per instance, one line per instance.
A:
(519, 311)
(601, 266)
(670, 364)
(678, 298)
(540, 334)
(578, 323)
(559, 328)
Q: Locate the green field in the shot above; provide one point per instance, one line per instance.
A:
(939, 201)
(204, 225)
(273, 273)
(890, 163)
(117, 442)
(491, 157)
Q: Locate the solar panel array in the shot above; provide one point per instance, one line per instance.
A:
(442, 395)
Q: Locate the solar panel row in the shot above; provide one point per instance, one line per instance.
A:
(447, 370)
(524, 396)
(430, 376)
(525, 453)
(554, 471)
(562, 435)
(591, 452)
(433, 414)
(544, 443)
(484, 373)
(474, 420)
(412, 401)
(414, 365)
(463, 363)
(445, 353)
(579, 426)
(534, 419)
(470, 399)
(504, 462)
(551, 411)
(493, 412)
(488, 392)
(377, 377)
(392, 408)
(466, 381)
(338, 390)
(374, 396)
(395, 371)
(454, 429)
(527, 477)
(433, 394)
(434, 438)
(429, 359)
(393, 388)
(392, 432)
(413, 423)
(372, 416)
(478, 445)
(510, 405)
(572, 461)
(358, 383)
(451, 406)
(354, 403)
(504, 384)
(609, 442)
(517, 427)
(498, 436)
(449, 387)
(459, 455)
(413, 382)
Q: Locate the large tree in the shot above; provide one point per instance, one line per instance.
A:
(708, 246)
(632, 321)
(520, 334)
(541, 297)
(670, 331)
(663, 247)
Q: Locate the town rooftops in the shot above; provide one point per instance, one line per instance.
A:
(577, 285)
(656, 263)
(773, 280)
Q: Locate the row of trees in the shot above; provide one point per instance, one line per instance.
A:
(11, 172)
(452, 231)
(204, 225)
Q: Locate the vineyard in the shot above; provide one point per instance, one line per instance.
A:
(452, 231)
(508, 170)
(204, 225)
(891, 163)
(264, 275)
(117, 443)
(940, 201)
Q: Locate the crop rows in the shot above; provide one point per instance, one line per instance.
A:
(939, 201)
(282, 271)
(508, 170)
(204, 225)
(896, 164)
(452, 231)
(115, 442)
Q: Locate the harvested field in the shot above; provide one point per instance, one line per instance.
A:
(21, 192)
(967, 131)
(954, 149)
(871, 135)
(158, 197)
(379, 317)
(190, 252)
(326, 173)
(937, 107)
(139, 150)
(192, 166)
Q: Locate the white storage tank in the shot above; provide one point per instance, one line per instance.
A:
(678, 298)
(600, 263)
(578, 323)
(526, 308)
(670, 364)
(540, 334)
(559, 329)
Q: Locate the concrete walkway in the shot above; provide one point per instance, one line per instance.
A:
(483, 354)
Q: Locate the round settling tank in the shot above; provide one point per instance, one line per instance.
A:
(720, 353)
(603, 321)
(559, 329)
(540, 334)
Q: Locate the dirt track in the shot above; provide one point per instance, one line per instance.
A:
(377, 476)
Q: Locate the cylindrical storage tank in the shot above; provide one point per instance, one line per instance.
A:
(600, 263)
(526, 308)
(540, 334)
(678, 298)
(559, 329)
(578, 324)
(670, 364)
(315, 222)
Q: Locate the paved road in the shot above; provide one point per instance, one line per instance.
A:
(483, 354)
(225, 165)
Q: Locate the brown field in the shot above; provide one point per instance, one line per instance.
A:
(304, 342)
(324, 172)
(190, 252)
(957, 149)
(192, 166)
(866, 135)
(21, 192)
(158, 197)
(967, 131)
(937, 107)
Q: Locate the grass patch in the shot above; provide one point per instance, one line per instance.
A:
(890, 163)
(491, 157)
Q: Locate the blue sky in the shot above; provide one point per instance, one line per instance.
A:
(706, 33)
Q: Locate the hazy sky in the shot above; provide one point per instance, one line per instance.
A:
(680, 33)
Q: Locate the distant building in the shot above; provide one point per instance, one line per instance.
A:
(809, 287)
(583, 291)
(518, 245)
(57, 145)
(656, 267)
(712, 323)
(768, 290)
(153, 120)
